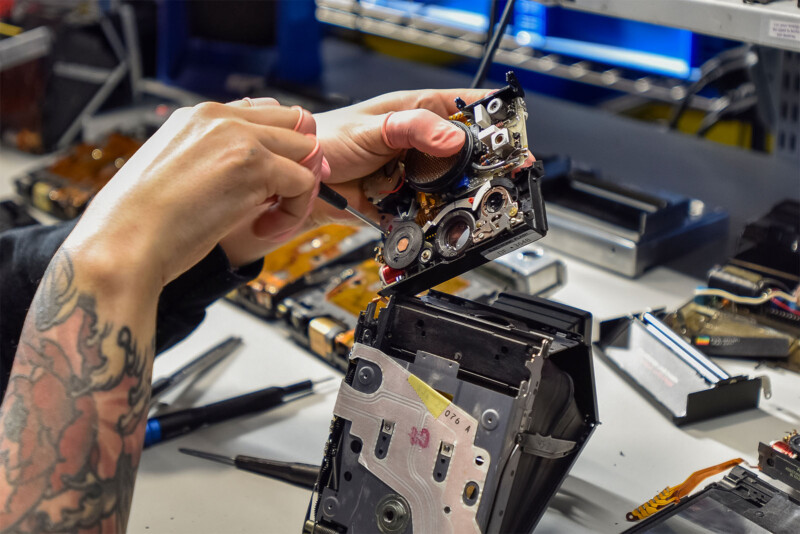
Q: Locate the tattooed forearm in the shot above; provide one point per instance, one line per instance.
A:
(73, 418)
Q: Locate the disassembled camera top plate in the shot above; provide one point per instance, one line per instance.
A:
(444, 216)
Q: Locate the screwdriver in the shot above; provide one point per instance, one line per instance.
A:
(340, 203)
(303, 475)
(178, 423)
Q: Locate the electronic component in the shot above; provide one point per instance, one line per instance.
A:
(768, 246)
(65, 187)
(468, 431)
(307, 260)
(718, 332)
(752, 304)
(323, 317)
(674, 376)
(448, 215)
(781, 459)
(674, 494)
(621, 228)
(740, 502)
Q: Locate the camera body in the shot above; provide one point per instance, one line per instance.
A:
(456, 416)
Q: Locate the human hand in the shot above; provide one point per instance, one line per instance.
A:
(208, 171)
(366, 138)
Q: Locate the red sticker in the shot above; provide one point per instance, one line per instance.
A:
(420, 437)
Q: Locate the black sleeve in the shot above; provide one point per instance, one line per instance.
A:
(26, 252)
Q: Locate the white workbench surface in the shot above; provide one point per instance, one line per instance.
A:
(632, 455)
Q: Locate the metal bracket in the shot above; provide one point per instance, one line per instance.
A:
(545, 446)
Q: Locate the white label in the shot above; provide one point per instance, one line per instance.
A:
(780, 29)
(504, 248)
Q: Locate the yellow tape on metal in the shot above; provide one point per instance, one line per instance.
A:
(433, 400)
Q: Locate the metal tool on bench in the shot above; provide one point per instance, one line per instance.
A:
(303, 475)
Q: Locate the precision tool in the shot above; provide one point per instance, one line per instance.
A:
(202, 363)
(178, 423)
(303, 475)
(340, 203)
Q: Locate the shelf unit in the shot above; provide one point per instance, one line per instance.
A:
(395, 24)
(775, 24)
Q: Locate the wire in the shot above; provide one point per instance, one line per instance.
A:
(739, 299)
(492, 22)
(399, 185)
(786, 307)
(675, 493)
(715, 68)
(736, 101)
(497, 36)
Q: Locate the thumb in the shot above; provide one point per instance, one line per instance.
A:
(423, 130)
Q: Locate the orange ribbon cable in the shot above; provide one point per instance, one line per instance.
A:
(676, 493)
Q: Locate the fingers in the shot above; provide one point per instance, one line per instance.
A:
(305, 122)
(248, 102)
(278, 116)
(284, 142)
(439, 101)
(268, 112)
(281, 220)
(423, 130)
(315, 161)
(280, 176)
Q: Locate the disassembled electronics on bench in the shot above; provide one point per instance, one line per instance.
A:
(619, 227)
(308, 260)
(718, 332)
(319, 283)
(323, 317)
(674, 376)
(65, 187)
(781, 459)
(751, 307)
(456, 416)
(740, 502)
(444, 216)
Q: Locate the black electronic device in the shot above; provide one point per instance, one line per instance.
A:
(740, 502)
(444, 216)
(781, 459)
(673, 375)
(456, 416)
(621, 227)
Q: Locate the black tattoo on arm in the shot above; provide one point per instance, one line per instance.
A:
(73, 419)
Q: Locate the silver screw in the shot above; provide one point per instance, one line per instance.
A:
(490, 419)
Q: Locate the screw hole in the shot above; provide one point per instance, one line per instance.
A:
(447, 509)
(348, 476)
